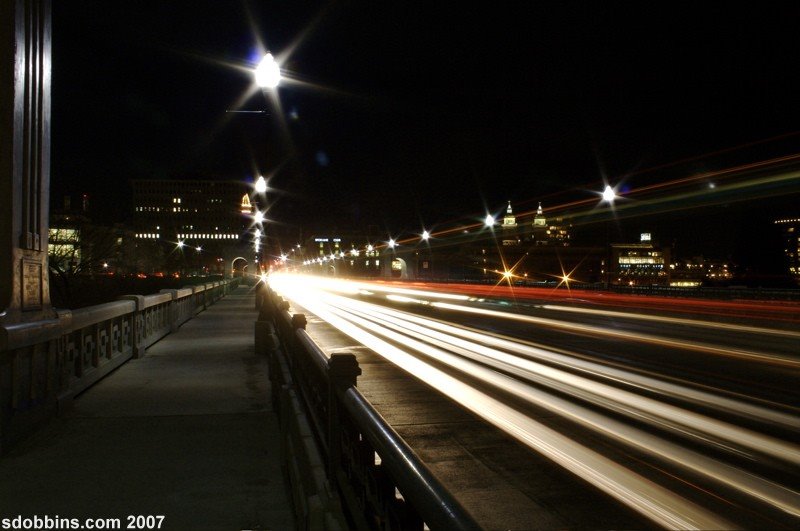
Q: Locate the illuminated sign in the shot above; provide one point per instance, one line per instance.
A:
(645, 237)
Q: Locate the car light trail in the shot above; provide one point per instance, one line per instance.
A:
(573, 361)
(621, 401)
(544, 377)
(782, 498)
(628, 336)
(676, 320)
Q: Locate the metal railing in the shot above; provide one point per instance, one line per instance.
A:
(44, 364)
(371, 474)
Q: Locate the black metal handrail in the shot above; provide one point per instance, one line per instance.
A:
(382, 482)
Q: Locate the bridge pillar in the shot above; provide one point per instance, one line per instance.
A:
(31, 357)
(25, 54)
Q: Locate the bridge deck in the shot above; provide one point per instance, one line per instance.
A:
(186, 432)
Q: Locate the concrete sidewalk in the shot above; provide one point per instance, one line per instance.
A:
(186, 432)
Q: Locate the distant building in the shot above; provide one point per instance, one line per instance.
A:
(699, 271)
(541, 231)
(193, 211)
(209, 219)
(64, 235)
(343, 253)
(791, 238)
(510, 229)
(640, 264)
(552, 231)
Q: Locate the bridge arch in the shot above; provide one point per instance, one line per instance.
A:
(242, 266)
(399, 268)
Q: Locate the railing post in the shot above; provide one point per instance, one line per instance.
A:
(137, 331)
(173, 309)
(299, 321)
(343, 371)
(261, 290)
(266, 339)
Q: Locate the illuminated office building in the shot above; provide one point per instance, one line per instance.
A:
(195, 212)
(640, 264)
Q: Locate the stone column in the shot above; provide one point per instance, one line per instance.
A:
(25, 57)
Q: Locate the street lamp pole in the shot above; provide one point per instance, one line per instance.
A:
(267, 76)
(608, 196)
(261, 194)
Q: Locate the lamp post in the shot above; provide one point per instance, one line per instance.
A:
(608, 196)
(267, 76)
(259, 198)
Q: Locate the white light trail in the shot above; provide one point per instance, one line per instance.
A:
(651, 500)
(494, 359)
(675, 320)
(628, 335)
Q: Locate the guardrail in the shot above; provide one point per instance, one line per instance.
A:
(44, 364)
(348, 468)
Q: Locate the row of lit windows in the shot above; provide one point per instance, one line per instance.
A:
(640, 260)
(640, 265)
(168, 209)
(148, 235)
(193, 236)
(377, 263)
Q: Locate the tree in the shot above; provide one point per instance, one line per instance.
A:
(77, 252)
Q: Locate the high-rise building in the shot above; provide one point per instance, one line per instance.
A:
(549, 231)
(196, 212)
(208, 221)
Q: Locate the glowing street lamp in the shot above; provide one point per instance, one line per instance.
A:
(609, 195)
(426, 235)
(489, 221)
(392, 243)
(261, 185)
(258, 217)
(268, 73)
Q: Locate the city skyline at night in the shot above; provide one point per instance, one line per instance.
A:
(407, 266)
(416, 115)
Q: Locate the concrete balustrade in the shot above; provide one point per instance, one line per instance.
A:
(45, 364)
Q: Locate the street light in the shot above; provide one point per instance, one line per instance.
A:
(261, 185)
(608, 196)
(489, 221)
(268, 73)
(267, 76)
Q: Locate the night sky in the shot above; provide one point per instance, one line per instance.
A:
(404, 114)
